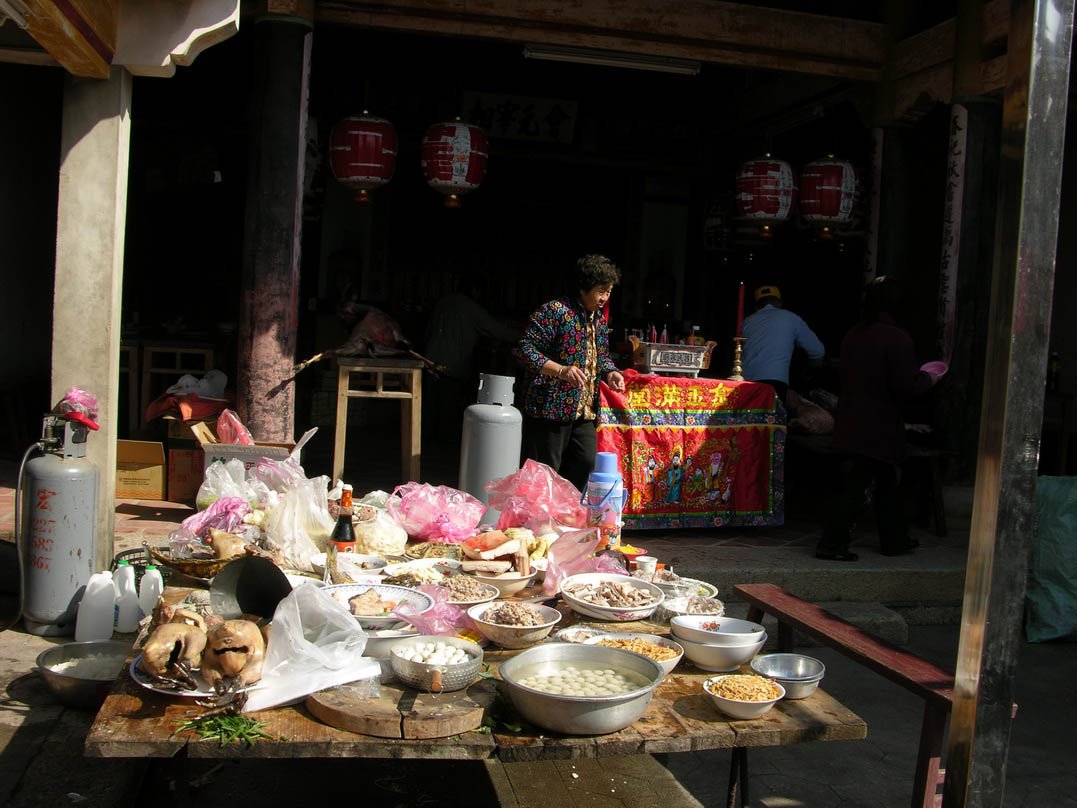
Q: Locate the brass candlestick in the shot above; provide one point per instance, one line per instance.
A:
(736, 376)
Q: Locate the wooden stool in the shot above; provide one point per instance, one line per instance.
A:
(405, 378)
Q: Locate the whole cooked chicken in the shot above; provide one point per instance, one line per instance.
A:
(235, 651)
(171, 652)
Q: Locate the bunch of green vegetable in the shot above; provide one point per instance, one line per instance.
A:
(226, 729)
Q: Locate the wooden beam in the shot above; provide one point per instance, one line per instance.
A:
(27, 56)
(720, 32)
(79, 34)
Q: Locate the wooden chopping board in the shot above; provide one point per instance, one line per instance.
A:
(400, 712)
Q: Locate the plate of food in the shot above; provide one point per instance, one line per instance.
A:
(433, 549)
(203, 691)
(373, 604)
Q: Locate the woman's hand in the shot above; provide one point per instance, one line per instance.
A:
(616, 381)
(572, 374)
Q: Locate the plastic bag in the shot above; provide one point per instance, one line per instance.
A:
(536, 497)
(300, 524)
(438, 514)
(231, 430)
(282, 475)
(314, 644)
(571, 554)
(442, 619)
(78, 400)
(380, 535)
(225, 514)
(227, 479)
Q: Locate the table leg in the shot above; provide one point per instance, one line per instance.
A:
(340, 436)
(738, 776)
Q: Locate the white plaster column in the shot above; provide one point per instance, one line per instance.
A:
(90, 222)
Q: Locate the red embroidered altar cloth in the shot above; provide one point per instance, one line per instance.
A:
(696, 452)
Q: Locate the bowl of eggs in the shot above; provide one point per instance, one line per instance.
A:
(437, 664)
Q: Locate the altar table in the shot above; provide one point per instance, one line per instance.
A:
(696, 452)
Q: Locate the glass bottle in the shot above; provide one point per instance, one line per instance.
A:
(342, 539)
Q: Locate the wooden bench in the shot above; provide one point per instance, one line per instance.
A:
(934, 685)
(928, 456)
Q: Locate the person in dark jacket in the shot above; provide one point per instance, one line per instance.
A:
(879, 373)
(565, 353)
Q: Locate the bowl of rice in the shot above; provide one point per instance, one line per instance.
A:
(743, 696)
(80, 674)
(666, 653)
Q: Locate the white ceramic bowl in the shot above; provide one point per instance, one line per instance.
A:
(506, 587)
(419, 600)
(667, 665)
(578, 634)
(380, 641)
(443, 566)
(317, 563)
(610, 613)
(723, 658)
(491, 592)
(715, 630)
(514, 636)
(674, 606)
(297, 578)
(539, 566)
(361, 563)
(740, 709)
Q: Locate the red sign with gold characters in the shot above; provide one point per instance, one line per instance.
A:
(696, 452)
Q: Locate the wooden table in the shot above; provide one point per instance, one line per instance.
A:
(134, 722)
(400, 379)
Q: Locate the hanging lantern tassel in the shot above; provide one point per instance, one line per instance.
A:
(454, 159)
(766, 193)
(362, 153)
(829, 192)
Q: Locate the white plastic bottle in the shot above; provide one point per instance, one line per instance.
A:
(96, 609)
(149, 590)
(126, 598)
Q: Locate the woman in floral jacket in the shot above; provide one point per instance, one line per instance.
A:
(565, 352)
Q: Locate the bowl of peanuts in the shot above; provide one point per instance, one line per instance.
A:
(666, 653)
(743, 696)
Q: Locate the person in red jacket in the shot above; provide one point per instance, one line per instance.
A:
(879, 373)
(565, 353)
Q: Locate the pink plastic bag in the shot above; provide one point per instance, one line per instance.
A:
(533, 495)
(571, 555)
(231, 430)
(443, 619)
(437, 514)
(78, 400)
(225, 514)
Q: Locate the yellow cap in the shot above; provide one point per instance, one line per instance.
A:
(767, 291)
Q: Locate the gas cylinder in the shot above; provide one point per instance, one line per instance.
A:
(490, 441)
(59, 528)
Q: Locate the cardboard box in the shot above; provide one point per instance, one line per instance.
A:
(186, 468)
(223, 452)
(140, 469)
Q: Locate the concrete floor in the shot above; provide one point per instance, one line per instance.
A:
(40, 742)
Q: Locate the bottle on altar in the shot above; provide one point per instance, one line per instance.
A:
(604, 497)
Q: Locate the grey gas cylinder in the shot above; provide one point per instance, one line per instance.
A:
(490, 443)
(59, 530)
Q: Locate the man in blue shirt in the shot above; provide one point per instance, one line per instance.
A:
(770, 336)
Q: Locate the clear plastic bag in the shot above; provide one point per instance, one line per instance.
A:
(572, 554)
(231, 430)
(225, 514)
(299, 526)
(380, 535)
(442, 619)
(536, 497)
(314, 644)
(227, 479)
(435, 513)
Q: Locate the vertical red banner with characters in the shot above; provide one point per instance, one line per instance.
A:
(696, 452)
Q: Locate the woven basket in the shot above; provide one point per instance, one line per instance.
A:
(204, 568)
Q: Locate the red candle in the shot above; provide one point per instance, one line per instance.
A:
(740, 307)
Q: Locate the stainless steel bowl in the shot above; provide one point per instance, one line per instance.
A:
(798, 674)
(420, 675)
(579, 715)
(77, 691)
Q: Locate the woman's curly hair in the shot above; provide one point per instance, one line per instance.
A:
(592, 271)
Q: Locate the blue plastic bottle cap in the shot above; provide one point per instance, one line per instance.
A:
(606, 463)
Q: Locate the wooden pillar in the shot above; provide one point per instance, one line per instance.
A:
(90, 224)
(1003, 519)
(270, 305)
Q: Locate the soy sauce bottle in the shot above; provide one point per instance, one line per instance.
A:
(342, 539)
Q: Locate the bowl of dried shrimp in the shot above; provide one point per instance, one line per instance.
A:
(465, 591)
(743, 695)
(611, 597)
(512, 624)
(666, 653)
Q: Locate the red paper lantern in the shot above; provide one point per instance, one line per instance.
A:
(829, 191)
(362, 153)
(454, 159)
(766, 191)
